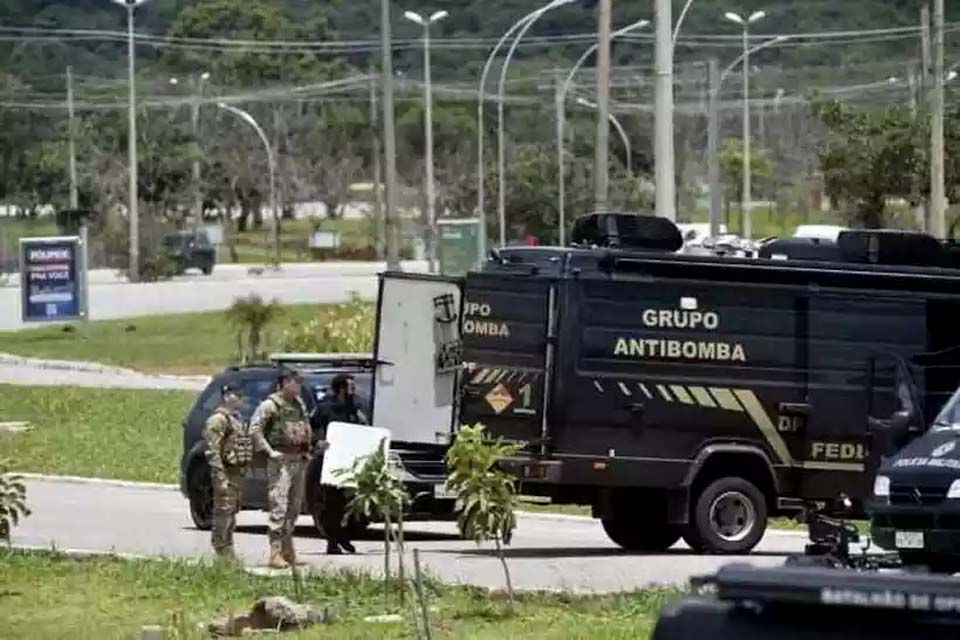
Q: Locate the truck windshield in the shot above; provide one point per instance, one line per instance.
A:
(949, 417)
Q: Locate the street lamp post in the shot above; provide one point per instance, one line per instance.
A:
(745, 23)
(428, 127)
(133, 205)
(713, 134)
(561, 116)
(619, 127)
(527, 23)
(271, 161)
(481, 172)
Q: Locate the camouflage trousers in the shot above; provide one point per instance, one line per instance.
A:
(226, 505)
(286, 478)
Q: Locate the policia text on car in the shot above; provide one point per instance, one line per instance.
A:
(684, 395)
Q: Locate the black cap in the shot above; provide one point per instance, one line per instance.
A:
(231, 388)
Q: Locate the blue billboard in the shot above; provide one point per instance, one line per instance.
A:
(52, 279)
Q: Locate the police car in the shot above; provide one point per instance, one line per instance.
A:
(916, 496)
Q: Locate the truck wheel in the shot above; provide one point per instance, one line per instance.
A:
(634, 534)
(200, 495)
(207, 269)
(729, 517)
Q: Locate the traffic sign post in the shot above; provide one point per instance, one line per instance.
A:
(53, 279)
(457, 246)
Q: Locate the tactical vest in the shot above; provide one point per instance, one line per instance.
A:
(289, 430)
(237, 444)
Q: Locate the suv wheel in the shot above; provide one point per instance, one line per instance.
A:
(200, 492)
(207, 268)
(729, 516)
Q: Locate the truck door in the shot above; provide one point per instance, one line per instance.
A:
(418, 351)
(506, 326)
(846, 331)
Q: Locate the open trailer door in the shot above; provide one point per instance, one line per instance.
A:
(419, 355)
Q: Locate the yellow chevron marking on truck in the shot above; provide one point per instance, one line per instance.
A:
(663, 392)
(703, 397)
(725, 399)
(477, 378)
(680, 393)
(646, 391)
(625, 389)
(757, 413)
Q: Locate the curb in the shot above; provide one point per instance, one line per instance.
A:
(77, 366)
(103, 482)
(84, 553)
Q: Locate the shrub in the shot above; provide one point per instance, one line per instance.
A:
(343, 328)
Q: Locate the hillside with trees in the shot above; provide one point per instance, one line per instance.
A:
(292, 50)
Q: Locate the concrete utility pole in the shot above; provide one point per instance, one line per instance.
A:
(926, 75)
(937, 187)
(713, 148)
(72, 143)
(663, 137)
(601, 162)
(380, 228)
(389, 138)
(133, 205)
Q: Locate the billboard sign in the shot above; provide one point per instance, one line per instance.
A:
(52, 279)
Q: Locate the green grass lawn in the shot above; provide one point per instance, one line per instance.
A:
(102, 433)
(189, 343)
(48, 596)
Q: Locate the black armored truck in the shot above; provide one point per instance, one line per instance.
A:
(677, 395)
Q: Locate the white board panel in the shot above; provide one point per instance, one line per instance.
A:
(348, 443)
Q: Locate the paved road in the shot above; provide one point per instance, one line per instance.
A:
(316, 283)
(63, 373)
(548, 552)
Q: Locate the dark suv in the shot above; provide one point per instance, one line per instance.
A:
(189, 250)
(422, 469)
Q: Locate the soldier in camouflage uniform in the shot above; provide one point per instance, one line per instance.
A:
(281, 428)
(229, 451)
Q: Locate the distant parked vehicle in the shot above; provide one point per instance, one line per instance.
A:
(190, 250)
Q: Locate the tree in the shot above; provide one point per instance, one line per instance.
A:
(252, 315)
(378, 494)
(867, 155)
(13, 501)
(731, 171)
(326, 154)
(486, 496)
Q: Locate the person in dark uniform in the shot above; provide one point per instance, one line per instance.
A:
(339, 406)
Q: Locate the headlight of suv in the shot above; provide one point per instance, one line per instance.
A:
(954, 491)
(881, 487)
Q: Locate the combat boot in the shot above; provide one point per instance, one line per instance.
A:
(277, 561)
